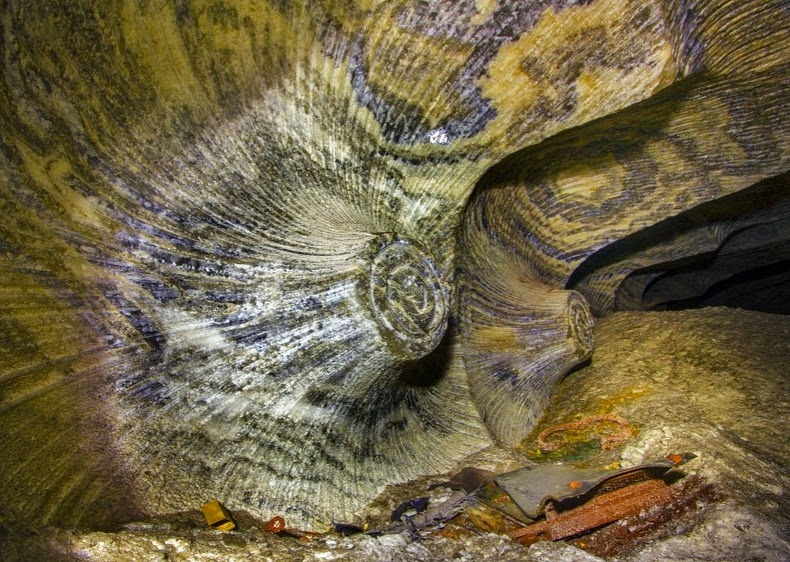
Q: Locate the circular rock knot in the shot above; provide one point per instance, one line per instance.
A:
(408, 296)
(580, 325)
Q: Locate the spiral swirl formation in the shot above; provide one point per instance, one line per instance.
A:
(408, 296)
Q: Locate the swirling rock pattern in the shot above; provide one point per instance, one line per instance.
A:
(736, 244)
(409, 297)
(288, 253)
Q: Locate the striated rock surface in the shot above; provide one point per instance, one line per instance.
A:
(287, 253)
(712, 382)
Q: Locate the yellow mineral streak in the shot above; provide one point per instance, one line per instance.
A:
(484, 9)
(591, 183)
(497, 338)
(417, 69)
(604, 84)
(172, 78)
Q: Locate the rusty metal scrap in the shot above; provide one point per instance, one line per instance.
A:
(532, 487)
(608, 441)
(571, 499)
(600, 510)
(275, 525)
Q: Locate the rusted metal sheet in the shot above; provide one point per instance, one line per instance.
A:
(532, 487)
(600, 510)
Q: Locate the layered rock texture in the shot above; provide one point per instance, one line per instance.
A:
(711, 382)
(287, 254)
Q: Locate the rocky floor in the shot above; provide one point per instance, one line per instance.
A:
(712, 382)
